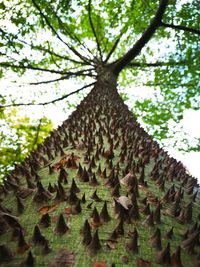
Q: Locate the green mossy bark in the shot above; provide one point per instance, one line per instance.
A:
(103, 128)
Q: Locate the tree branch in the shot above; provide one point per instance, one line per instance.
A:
(180, 27)
(170, 84)
(93, 30)
(155, 64)
(37, 134)
(120, 64)
(69, 74)
(57, 35)
(30, 67)
(39, 48)
(48, 22)
(72, 35)
(48, 102)
(112, 49)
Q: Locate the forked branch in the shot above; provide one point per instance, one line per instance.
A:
(112, 49)
(86, 60)
(120, 64)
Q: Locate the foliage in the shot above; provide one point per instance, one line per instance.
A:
(18, 137)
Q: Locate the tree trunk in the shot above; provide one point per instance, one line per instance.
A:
(97, 188)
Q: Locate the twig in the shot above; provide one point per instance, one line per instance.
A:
(48, 102)
(156, 64)
(57, 35)
(180, 27)
(69, 74)
(30, 67)
(37, 134)
(93, 30)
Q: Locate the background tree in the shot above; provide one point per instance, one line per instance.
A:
(19, 135)
(54, 41)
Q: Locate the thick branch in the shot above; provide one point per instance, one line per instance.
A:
(180, 27)
(93, 29)
(120, 64)
(48, 102)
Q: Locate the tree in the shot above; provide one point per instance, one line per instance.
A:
(99, 190)
(18, 137)
(60, 40)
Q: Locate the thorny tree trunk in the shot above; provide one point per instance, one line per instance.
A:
(99, 188)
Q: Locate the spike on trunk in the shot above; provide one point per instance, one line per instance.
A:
(86, 232)
(190, 243)
(155, 239)
(61, 226)
(176, 258)
(94, 181)
(30, 260)
(96, 220)
(133, 244)
(37, 237)
(5, 254)
(149, 220)
(104, 213)
(95, 197)
(94, 245)
(45, 220)
(20, 205)
(22, 245)
(163, 257)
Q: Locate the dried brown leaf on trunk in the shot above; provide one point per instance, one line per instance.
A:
(99, 264)
(128, 179)
(62, 163)
(48, 209)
